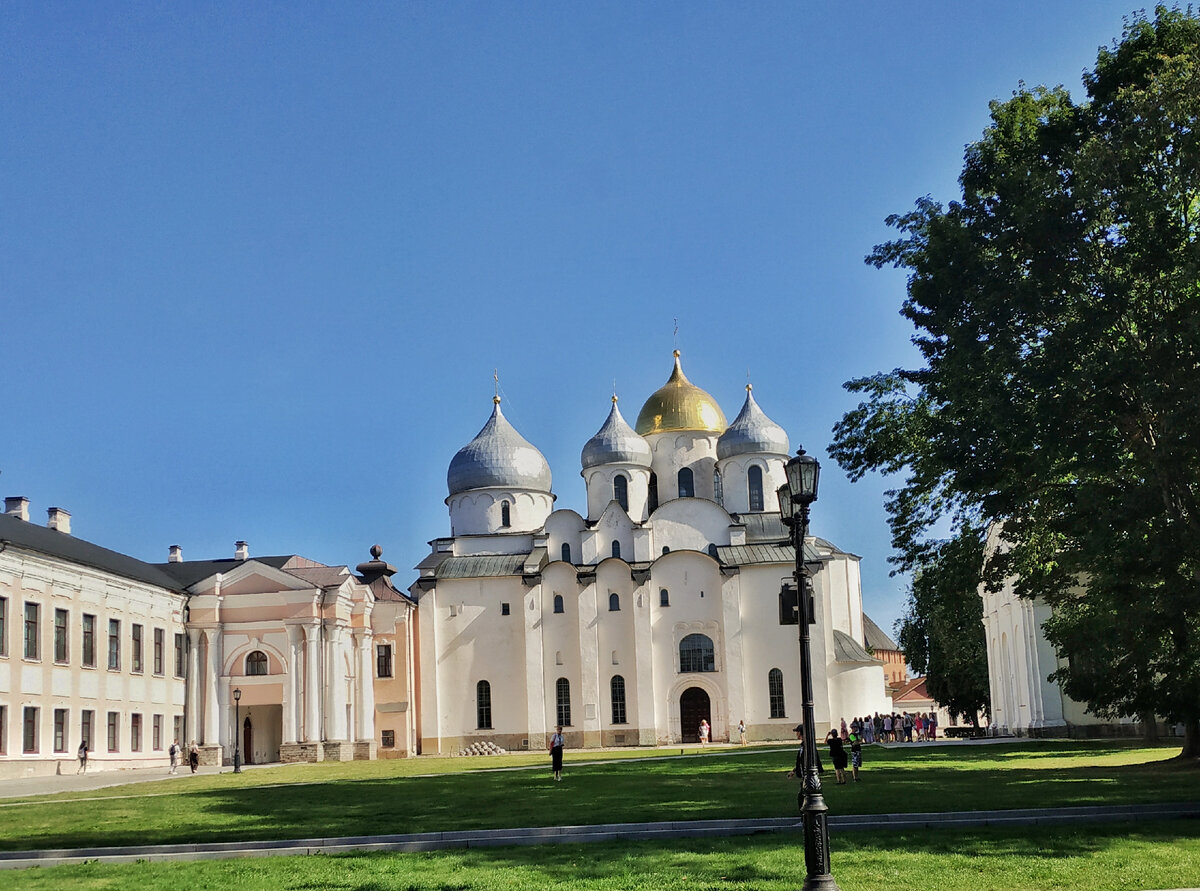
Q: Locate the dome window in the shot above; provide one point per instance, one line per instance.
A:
(687, 483)
(718, 488)
(558, 603)
(755, 481)
(505, 514)
(621, 491)
(566, 553)
(616, 549)
(652, 494)
(614, 603)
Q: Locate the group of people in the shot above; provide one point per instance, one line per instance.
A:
(173, 752)
(895, 727)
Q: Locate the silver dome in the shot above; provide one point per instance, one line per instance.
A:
(498, 457)
(752, 432)
(615, 443)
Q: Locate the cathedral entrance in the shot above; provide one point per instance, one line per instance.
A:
(694, 706)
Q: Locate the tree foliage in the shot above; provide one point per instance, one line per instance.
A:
(1057, 309)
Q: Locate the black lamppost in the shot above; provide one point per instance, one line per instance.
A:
(795, 498)
(237, 752)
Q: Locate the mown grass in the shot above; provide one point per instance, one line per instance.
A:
(1102, 857)
(389, 797)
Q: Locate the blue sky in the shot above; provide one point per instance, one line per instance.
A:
(259, 261)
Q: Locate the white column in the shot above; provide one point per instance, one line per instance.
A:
(335, 714)
(312, 683)
(290, 687)
(194, 681)
(212, 697)
(364, 646)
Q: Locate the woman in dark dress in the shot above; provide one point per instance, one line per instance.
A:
(837, 754)
(556, 750)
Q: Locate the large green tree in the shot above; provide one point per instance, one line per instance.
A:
(1057, 308)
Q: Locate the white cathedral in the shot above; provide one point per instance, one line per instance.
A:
(658, 609)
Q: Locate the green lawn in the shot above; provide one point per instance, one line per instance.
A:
(1101, 857)
(390, 797)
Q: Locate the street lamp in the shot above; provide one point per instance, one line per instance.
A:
(795, 498)
(237, 752)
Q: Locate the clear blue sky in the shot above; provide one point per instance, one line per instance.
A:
(258, 261)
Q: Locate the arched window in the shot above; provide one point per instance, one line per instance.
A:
(775, 692)
(562, 695)
(614, 603)
(566, 553)
(621, 491)
(505, 513)
(616, 549)
(718, 488)
(256, 663)
(558, 603)
(696, 653)
(618, 699)
(664, 599)
(687, 484)
(666, 549)
(483, 705)
(652, 493)
(754, 479)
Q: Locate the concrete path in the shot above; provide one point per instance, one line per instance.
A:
(432, 841)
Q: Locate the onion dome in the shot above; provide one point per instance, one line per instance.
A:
(498, 457)
(752, 432)
(680, 405)
(616, 443)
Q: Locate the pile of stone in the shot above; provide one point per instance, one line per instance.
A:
(483, 748)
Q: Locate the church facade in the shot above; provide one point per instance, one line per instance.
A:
(657, 610)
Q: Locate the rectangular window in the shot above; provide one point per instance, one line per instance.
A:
(504, 609)
(89, 641)
(136, 635)
(87, 724)
(387, 739)
(61, 636)
(3, 729)
(384, 652)
(160, 644)
(60, 730)
(114, 644)
(3, 626)
(562, 690)
(177, 726)
(29, 739)
(157, 739)
(32, 611)
(114, 731)
(135, 733)
(180, 656)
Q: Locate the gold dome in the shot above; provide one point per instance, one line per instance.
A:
(680, 405)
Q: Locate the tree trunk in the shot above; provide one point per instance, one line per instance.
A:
(1149, 727)
(1191, 738)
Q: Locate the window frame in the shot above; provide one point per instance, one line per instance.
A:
(775, 697)
(387, 739)
(384, 667)
(664, 597)
(136, 642)
(160, 646)
(62, 636)
(614, 602)
(616, 688)
(621, 491)
(483, 706)
(135, 732)
(156, 725)
(180, 655)
(562, 702)
(685, 482)
(565, 552)
(114, 644)
(61, 734)
(3, 626)
(264, 663)
(30, 719)
(87, 631)
(701, 651)
(114, 732)
(32, 626)
(505, 514)
(754, 489)
(559, 605)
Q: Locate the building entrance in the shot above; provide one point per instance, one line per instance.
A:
(694, 706)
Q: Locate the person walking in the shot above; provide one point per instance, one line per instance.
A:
(855, 754)
(556, 749)
(83, 753)
(742, 731)
(837, 754)
(174, 753)
(704, 731)
(193, 756)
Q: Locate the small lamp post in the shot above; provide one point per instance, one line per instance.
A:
(237, 751)
(795, 498)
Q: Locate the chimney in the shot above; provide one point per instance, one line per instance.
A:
(17, 507)
(175, 555)
(242, 551)
(60, 520)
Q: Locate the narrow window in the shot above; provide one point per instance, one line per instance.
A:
(621, 491)
(89, 641)
(29, 736)
(614, 603)
(652, 494)
(87, 726)
(712, 551)
(156, 740)
(618, 699)
(180, 655)
(383, 654)
(177, 729)
(616, 549)
(114, 731)
(160, 644)
(114, 644)
(696, 653)
(687, 484)
(558, 657)
(387, 739)
(135, 733)
(562, 693)
(136, 636)
(566, 553)
(3, 729)
(3, 626)
(505, 514)
(504, 609)
(483, 705)
(664, 598)
(718, 488)
(256, 663)
(558, 603)
(31, 630)
(60, 730)
(754, 476)
(775, 692)
(60, 636)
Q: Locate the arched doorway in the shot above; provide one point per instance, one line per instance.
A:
(247, 742)
(694, 706)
